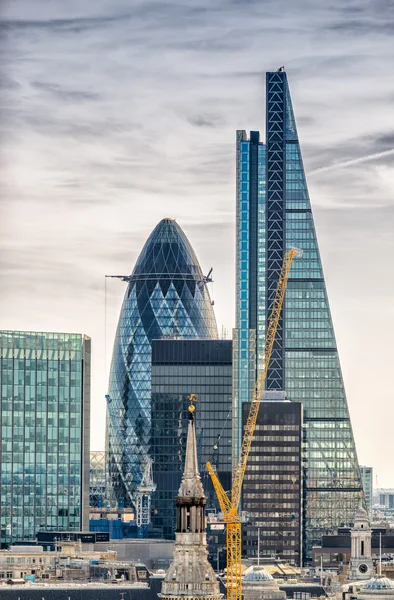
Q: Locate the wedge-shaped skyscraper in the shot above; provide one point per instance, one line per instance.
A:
(274, 213)
(166, 297)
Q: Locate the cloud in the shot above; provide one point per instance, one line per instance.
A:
(353, 161)
(116, 114)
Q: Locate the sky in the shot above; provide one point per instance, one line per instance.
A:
(117, 113)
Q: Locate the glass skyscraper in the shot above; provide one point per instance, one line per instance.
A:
(166, 296)
(44, 431)
(181, 368)
(274, 213)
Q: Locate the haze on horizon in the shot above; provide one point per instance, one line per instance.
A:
(115, 114)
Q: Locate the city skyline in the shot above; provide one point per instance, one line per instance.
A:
(127, 142)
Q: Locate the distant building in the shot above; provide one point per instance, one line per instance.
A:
(166, 296)
(258, 584)
(273, 213)
(335, 549)
(367, 481)
(272, 490)
(384, 497)
(45, 433)
(97, 483)
(181, 368)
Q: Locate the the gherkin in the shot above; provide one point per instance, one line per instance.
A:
(166, 297)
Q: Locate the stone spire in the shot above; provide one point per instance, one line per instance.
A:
(190, 575)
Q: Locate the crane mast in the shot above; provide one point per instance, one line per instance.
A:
(229, 507)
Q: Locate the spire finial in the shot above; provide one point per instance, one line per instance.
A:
(192, 400)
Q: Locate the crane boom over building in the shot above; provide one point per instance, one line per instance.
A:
(230, 507)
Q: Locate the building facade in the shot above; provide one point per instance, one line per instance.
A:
(181, 368)
(44, 430)
(98, 479)
(384, 498)
(272, 490)
(367, 481)
(274, 213)
(166, 296)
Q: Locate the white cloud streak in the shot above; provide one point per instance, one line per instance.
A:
(353, 161)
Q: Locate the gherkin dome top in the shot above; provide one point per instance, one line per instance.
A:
(168, 253)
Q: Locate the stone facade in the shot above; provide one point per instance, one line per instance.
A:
(361, 565)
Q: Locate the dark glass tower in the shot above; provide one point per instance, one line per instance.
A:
(274, 213)
(166, 297)
(181, 368)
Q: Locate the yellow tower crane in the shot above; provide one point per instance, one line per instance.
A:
(229, 506)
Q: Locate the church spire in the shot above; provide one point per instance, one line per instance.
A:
(190, 575)
(191, 485)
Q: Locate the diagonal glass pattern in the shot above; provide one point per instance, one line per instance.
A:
(166, 297)
(312, 368)
(272, 196)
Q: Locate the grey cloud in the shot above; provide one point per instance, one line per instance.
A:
(62, 93)
(206, 120)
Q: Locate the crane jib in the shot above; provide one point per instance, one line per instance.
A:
(228, 506)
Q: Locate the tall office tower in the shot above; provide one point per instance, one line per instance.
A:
(181, 368)
(166, 296)
(272, 491)
(274, 213)
(367, 481)
(45, 433)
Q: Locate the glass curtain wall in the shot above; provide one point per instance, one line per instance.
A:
(167, 296)
(44, 392)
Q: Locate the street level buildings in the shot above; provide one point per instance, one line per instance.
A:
(166, 296)
(44, 431)
(273, 213)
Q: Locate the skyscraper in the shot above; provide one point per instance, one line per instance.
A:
(181, 368)
(44, 431)
(274, 213)
(166, 296)
(272, 491)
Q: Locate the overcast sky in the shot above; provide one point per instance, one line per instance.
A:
(117, 113)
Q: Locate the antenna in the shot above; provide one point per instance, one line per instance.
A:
(380, 553)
